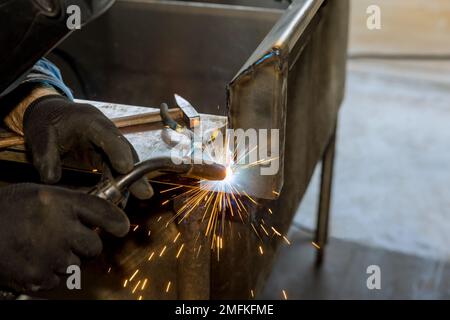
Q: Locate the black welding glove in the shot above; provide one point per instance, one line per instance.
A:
(56, 129)
(45, 229)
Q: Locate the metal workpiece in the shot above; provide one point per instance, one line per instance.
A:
(258, 94)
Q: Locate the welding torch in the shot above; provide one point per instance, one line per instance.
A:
(115, 190)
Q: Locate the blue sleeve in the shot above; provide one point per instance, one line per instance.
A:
(45, 72)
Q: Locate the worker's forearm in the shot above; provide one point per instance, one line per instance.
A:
(14, 120)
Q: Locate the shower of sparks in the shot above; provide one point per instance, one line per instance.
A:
(219, 203)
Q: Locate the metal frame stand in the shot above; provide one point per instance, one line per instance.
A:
(323, 214)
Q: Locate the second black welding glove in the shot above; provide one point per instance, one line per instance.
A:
(45, 229)
(56, 127)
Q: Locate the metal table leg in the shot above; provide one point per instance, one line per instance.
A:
(323, 216)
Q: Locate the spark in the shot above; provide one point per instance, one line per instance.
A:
(261, 251)
(162, 251)
(256, 231)
(270, 211)
(264, 229)
(172, 189)
(285, 295)
(134, 275)
(135, 228)
(125, 283)
(168, 286)
(252, 293)
(140, 298)
(287, 240)
(177, 236)
(165, 202)
(198, 252)
(136, 286)
(144, 284)
(179, 250)
(276, 231)
(151, 256)
(315, 245)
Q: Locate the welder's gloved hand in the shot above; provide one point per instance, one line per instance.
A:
(56, 128)
(45, 229)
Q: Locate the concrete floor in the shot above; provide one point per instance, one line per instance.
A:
(343, 274)
(392, 177)
(390, 203)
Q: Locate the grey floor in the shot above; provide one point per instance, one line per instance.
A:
(343, 274)
(392, 177)
(391, 203)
